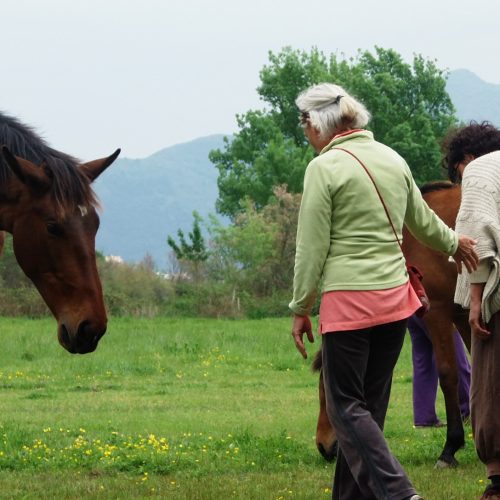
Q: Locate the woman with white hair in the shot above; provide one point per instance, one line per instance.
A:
(346, 241)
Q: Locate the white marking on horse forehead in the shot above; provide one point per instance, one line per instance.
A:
(83, 210)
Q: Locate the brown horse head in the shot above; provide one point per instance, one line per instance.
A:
(50, 210)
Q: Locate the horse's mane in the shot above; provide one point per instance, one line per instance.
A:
(69, 186)
(429, 187)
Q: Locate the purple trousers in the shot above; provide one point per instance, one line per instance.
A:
(425, 374)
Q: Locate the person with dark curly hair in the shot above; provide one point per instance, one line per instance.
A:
(473, 155)
(465, 144)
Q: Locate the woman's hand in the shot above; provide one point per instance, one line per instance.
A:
(476, 322)
(301, 325)
(466, 254)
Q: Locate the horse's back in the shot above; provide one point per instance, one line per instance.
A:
(440, 272)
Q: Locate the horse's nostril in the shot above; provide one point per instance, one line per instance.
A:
(83, 327)
(65, 335)
(89, 332)
(65, 339)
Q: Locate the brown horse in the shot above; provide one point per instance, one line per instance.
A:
(48, 205)
(439, 280)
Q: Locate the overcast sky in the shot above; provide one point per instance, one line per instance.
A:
(93, 75)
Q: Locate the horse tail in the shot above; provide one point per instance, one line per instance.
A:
(317, 362)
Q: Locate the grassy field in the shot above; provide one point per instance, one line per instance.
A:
(185, 409)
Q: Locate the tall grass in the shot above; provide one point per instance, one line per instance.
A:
(185, 408)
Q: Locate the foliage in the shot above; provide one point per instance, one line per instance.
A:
(134, 289)
(256, 253)
(242, 251)
(196, 409)
(205, 298)
(410, 107)
(249, 265)
(194, 251)
(258, 158)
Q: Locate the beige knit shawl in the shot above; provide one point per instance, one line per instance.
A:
(479, 217)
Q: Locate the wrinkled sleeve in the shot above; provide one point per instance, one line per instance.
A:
(425, 225)
(478, 216)
(481, 274)
(313, 237)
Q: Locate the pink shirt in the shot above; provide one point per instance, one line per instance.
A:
(343, 310)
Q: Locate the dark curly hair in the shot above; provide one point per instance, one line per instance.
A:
(476, 139)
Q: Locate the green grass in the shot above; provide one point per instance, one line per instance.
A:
(185, 408)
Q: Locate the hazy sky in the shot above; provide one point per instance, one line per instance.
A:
(93, 75)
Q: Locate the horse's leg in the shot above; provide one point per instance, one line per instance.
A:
(326, 438)
(461, 320)
(441, 330)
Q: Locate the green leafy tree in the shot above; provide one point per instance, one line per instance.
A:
(194, 252)
(240, 251)
(255, 254)
(258, 158)
(410, 107)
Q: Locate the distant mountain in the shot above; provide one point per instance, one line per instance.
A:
(146, 200)
(474, 98)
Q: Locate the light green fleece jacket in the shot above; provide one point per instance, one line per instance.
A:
(343, 237)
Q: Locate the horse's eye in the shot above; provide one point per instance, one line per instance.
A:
(54, 228)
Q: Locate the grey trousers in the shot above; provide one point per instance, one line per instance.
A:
(357, 370)
(485, 397)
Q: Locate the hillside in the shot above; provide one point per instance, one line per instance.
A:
(145, 200)
(474, 98)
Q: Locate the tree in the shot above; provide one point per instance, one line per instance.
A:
(248, 266)
(409, 103)
(255, 254)
(258, 158)
(193, 253)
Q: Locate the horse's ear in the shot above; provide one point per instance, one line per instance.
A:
(28, 173)
(93, 169)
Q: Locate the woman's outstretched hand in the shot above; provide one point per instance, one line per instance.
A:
(466, 254)
(476, 322)
(301, 325)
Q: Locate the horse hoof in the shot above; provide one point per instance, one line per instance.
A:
(445, 464)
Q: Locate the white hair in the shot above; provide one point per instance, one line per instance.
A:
(330, 109)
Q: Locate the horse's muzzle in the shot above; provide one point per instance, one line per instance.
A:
(330, 453)
(85, 340)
